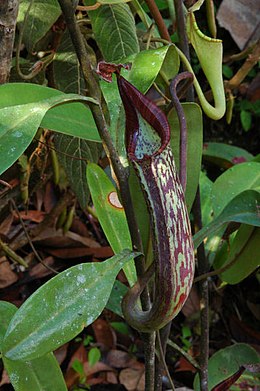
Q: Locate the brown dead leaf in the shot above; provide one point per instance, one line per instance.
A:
(7, 276)
(55, 238)
(120, 359)
(40, 271)
(104, 334)
(132, 379)
(98, 367)
(6, 225)
(33, 215)
(50, 197)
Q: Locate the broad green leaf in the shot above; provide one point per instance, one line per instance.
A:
(19, 124)
(209, 52)
(245, 249)
(193, 117)
(226, 362)
(73, 119)
(225, 155)
(146, 66)
(241, 209)
(237, 179)
(66, 69)
(7, 311)
(42, 15)
(60, 309)
(36, 375)
(114, 30)
(114, 303)
(111, 214)
(40, 374)
(75, 153)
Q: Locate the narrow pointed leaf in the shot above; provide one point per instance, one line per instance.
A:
(61, 308)
(111, 214)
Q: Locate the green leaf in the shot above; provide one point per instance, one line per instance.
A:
(74, 119)
(227, 71)
(205, 199)
(209, 52)
(114, 31)
(243, 249)
(19, 124)
(40, 374)
(226, 362)
(74, 157)
(246, 119)
(225, 155)
(94, 356)
(111, 214)
(193, 117)
(36, 375)
(66, 69)
(237, 179)
(7, 311)
(60, 309)
(42, 15)
(119, 290)
(147, 65)
(241, 209)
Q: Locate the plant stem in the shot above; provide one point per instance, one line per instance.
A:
(158, 20)
(121, 172)
(183, 44)
(203, 267)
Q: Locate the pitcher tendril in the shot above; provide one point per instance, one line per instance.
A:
(148, 149)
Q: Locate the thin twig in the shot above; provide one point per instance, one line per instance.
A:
(30, 241)
(162, 358)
